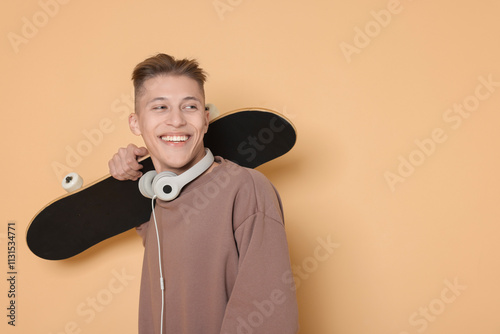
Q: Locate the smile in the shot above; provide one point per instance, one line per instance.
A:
(174, 139)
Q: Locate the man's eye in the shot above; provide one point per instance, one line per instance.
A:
(160, 107)
(191, 107)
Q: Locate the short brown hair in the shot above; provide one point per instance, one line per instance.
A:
(163, 64)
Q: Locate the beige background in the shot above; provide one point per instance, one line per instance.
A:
(386, 170)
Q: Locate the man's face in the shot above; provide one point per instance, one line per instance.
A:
(172, 120)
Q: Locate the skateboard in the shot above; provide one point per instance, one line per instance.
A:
(107, 207)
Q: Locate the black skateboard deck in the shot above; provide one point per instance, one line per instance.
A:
(107, 207)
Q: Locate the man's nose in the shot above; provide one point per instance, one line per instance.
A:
(175, 118)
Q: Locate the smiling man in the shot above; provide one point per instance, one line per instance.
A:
(225, 261)
(170, 115)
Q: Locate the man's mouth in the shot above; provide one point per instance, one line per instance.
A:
(174, 139)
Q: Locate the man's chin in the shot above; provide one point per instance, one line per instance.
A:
(177, 166)
(176, 162)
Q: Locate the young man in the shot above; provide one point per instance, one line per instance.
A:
(224, 252)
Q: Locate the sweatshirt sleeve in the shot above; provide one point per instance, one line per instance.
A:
(262, 301)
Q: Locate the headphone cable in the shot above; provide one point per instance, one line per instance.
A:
(162, 284)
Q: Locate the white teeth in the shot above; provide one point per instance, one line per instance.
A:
(174, 138)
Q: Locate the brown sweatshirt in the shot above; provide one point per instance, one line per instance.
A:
(224, 256)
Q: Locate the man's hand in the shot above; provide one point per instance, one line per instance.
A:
(124, 165)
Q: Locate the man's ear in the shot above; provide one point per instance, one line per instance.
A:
(133, 123)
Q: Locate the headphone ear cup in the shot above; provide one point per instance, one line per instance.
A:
(166, 186)
(146, 184)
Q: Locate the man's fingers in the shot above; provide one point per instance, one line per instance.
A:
(114, 170)
(141, 152)
(130, 169)
(124, 165)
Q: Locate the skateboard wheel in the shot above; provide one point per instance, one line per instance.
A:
(213, 111)
(72, 182)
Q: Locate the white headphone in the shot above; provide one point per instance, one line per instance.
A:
(167, 185)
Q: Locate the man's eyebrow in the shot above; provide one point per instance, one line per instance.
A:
(187, 98)
(159, 98)
(163, 98)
